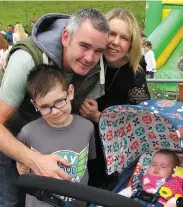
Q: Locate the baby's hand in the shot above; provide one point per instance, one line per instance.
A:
(22, 169)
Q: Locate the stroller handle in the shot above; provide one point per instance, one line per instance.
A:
(32, 183)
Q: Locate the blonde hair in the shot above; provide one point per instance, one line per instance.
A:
(20, 32)
(134, 54)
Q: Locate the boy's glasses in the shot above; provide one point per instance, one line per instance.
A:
(44, 110)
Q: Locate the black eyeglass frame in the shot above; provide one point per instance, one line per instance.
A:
(50, 107)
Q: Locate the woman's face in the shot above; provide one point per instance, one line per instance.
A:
(119, 42)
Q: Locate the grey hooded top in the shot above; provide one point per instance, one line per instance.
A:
(47, 33)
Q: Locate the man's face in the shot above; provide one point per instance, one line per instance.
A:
(83, 51)
(10, 29)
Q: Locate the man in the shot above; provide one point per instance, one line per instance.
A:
(9, 34)
(76, 48)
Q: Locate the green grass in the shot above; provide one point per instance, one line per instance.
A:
(22, 11)
(158, 90)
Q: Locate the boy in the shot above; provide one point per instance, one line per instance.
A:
(57, 131)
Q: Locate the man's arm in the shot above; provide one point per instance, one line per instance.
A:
(45, 165)
(12, 93)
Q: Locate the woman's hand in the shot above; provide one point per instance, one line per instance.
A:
(89, 110)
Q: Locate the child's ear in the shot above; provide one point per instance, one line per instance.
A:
(71, 92)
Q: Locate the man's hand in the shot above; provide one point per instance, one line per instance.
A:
(47, 165)
(89, 110)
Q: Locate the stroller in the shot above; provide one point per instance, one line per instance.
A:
(130, 135)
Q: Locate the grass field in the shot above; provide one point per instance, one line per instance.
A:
(22, 11)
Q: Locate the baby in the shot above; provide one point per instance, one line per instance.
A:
(161, 167)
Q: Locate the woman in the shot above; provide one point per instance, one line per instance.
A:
(4, 50)
(125, 81)
(19, 33)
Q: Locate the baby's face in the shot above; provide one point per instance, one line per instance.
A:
(161, 165)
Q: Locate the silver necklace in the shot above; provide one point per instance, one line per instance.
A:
(113, 79)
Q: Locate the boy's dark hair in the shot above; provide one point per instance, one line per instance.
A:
(148, 44)
(171, 153)
(142, 34)
(43, 78)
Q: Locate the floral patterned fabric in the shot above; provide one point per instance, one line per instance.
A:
(128, 131)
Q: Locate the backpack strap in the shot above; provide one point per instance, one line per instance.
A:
(29, 46)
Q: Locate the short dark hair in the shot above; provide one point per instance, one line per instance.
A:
(170, 153)
(43, 78)
(147, 44)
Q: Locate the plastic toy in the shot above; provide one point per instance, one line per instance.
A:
(174, 186)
